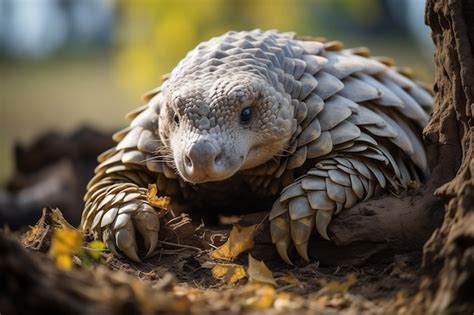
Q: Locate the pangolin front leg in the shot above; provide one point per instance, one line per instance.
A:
(310, 202)
(117, 208)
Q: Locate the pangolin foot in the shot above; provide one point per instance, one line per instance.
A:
(131, 217)
(289, 225)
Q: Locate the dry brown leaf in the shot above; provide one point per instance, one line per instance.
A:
(159, 202)
(259, 273)
(229, 273)
(289, 279)
(339, 286)
(35, 232)
(240, 239)
(58, 217)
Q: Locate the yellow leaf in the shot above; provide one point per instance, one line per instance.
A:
(64, 261)
(339, 286)
(95, 249)
(264, 296)
(288, 301)
(259, 272)
(230, 273)
(154, 200)
(240, 239)
(66, 241)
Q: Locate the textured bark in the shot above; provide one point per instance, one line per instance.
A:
(370, 232)
(449, 254)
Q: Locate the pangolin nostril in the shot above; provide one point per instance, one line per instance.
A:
(219, 160)
(188, 162)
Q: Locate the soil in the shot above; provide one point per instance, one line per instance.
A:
(180, 279)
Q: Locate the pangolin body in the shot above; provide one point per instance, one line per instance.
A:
(307, 124)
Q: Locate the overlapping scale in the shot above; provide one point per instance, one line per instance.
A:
(358, 122)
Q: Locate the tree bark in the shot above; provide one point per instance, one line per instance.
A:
(449, 253)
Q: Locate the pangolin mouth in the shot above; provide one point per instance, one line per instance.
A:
(207, 177)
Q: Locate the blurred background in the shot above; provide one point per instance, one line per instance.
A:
(69, 63)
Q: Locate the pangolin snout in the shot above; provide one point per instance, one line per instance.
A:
(204, 161)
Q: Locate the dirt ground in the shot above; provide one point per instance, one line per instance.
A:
(179, 279)
(181, 275)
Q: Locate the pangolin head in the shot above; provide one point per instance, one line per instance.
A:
(221, 116)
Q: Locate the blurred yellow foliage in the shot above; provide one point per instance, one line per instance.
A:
(364, 11)
(65, 243)
(155, 34)
(263, 298)
(95, 249)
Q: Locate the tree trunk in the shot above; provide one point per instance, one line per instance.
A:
(449, 253)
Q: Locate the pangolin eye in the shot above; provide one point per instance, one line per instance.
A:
(176, 119)
(245, 115)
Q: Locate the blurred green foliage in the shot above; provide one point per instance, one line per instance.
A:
(155, 34)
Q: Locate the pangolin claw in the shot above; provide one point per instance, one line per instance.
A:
(303, 250)
(147, 223)
(286, 229)
(323, 218)
(300, 232)
(151, 240)
(109, 240)
(282, 248)
(125, 240)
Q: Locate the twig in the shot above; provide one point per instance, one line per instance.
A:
(181, 245)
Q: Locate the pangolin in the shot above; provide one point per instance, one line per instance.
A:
(263, 115)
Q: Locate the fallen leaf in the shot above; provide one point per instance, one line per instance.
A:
(263, 297)
(259, 273)
(64, 261)
(229, 273)
(65, 243)
(34, 233)
(57, 216)
(240, 239)
(159, 202)
(287, 301)
(95, 249)
(339, 286)
(289, 279)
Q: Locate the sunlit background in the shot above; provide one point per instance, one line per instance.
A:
(65, 63)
